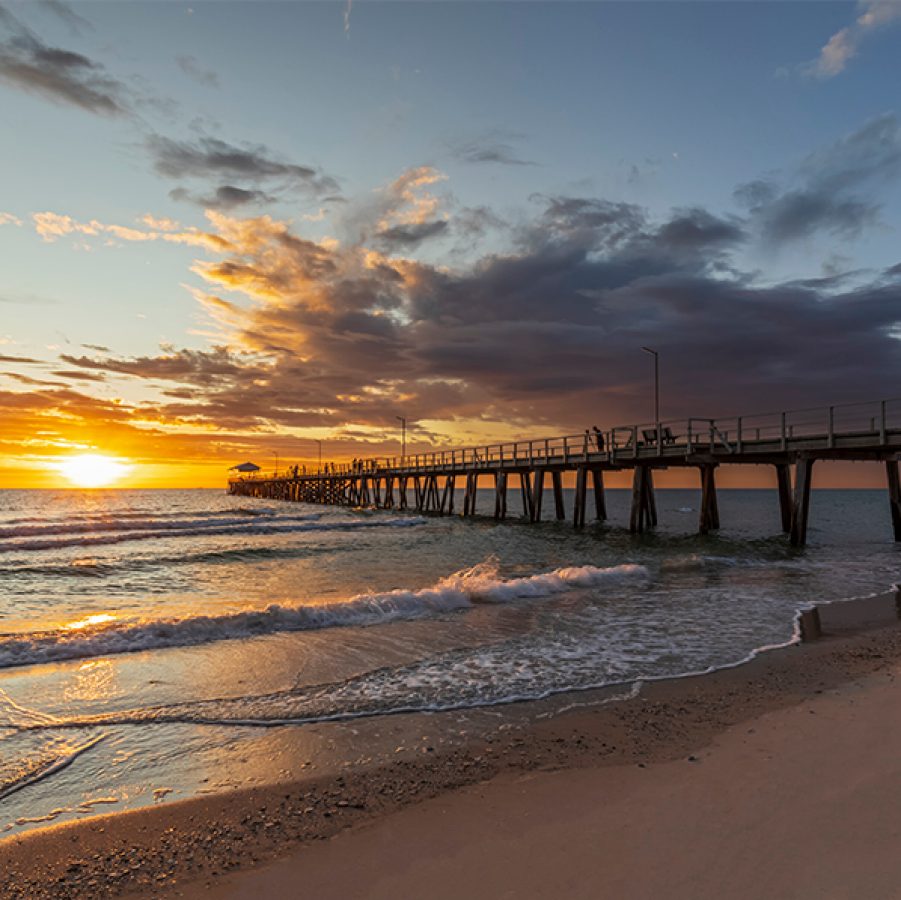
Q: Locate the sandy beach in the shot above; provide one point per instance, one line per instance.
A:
(777, 776)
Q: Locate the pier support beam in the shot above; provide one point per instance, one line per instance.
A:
(783, 482)
(709, 517)
(894, 495)
(525, 489)
(500, 495)
(537, 494)
(801, 503)
(560, 508)
(600, 499)
(469, 497)
(579, 504)
(644, 507)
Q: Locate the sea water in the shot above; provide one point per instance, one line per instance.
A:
(149, 638)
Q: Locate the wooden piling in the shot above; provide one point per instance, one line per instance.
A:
(580, 497)
(636, 516)
(525, 491)
(559, 506)
(801, 501)
(537, 494)
(709, 516)
(600, 500)
(894, 495)
(500, 495)
(783, 483)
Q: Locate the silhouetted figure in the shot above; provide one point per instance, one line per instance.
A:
(599, 438)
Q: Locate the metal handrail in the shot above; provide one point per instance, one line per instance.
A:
(727, 433)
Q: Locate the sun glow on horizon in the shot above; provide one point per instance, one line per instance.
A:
(91, 470)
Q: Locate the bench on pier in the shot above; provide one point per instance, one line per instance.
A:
(650, 435)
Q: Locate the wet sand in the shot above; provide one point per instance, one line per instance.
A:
(778, 777)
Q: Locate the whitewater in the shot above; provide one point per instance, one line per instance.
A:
(146, 635)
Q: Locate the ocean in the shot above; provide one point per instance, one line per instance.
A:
(164, 644)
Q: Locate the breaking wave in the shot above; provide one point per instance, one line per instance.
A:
(479, 584)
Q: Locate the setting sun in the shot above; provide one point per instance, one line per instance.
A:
(91, 470)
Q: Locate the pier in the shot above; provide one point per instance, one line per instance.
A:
(791, 441)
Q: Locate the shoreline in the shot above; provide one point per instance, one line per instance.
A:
(154, 849)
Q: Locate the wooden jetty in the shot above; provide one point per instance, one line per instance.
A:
(787, 440)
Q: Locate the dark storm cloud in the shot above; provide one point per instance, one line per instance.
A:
(837, 190)
(214, 158)
(193, 69)
(61, 75)
(225, 197)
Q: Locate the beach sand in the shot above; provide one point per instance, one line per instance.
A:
(776, 778)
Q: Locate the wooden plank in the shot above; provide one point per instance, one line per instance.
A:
(801, 503)
(894, 495)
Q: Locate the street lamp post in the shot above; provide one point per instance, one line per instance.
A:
(276, 463)
(403, 439)
(656, 356)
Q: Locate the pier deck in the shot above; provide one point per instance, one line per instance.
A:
(792, 439)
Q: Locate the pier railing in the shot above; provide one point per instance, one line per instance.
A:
(820, 428)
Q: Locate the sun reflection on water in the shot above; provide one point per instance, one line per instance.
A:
(87, 621)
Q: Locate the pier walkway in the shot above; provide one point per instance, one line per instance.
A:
(785, 440)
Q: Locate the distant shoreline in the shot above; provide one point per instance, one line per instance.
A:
(202, 838)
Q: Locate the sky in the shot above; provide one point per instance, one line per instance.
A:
(230, 230)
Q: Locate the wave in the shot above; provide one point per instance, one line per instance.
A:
(242, 527)
(51, 761)
(148, 513)
(457, 591)
(143, 523)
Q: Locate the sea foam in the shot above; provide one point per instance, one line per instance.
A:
(479, 584)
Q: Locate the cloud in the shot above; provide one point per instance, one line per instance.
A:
(843, 46)
(51, 226)
(403, 237)
(27, 360)
(74, 375)
(63, 11)
(193, 69)
(9, 219)
(60, 75)
(225, 197)
(494, 147)
(834, 189)
(209, 157)
(341, 335)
